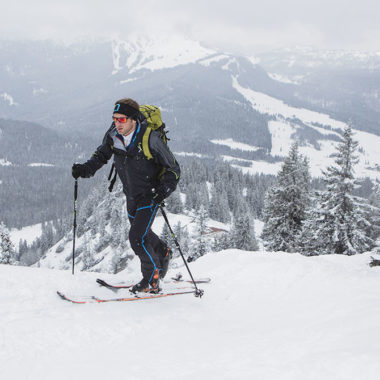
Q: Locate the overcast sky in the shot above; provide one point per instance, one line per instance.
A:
(235, 24)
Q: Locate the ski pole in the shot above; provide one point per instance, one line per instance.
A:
(198, 292)
(75, 219)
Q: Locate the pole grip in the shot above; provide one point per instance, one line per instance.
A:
(75, 221)
(75, 191)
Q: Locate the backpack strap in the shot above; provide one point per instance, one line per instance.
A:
(145, 143)
(110, 187)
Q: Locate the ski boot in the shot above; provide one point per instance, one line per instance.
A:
(144, 286)
(141, 287)
(165, 262)
(155, 283)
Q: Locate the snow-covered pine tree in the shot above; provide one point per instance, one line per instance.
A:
(243, 233)
(22, 248)
(87, 254)
(286, 203)
(177, 233)
(7, 250)
(374, 203)
(165, 234)
(222, 241)
(201, 245)
(219, 209)
(338, 222)
(184, 243)
(174, 202)
(192, 201)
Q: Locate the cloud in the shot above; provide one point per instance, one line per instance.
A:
(236, 24)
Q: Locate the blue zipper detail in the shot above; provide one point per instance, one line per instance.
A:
(142, 208)
(143, 245)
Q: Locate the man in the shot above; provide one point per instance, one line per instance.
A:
(143, 184)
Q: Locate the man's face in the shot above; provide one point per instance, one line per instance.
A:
(124, 128)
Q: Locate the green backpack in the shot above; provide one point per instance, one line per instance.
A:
(153, 117)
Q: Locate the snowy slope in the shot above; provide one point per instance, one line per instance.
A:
(28, 233)
(264, 316)
(287, 125)
(161, 52)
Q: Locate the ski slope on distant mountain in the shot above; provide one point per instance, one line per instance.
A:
(285, 127)
(264, 316)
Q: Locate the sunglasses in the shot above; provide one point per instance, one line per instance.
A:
(120, 119)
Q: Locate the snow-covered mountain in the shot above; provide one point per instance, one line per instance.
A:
(216, 105)
(263, 316)
(143, 53)
(317, 133)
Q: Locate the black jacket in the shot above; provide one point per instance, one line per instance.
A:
(138, 174)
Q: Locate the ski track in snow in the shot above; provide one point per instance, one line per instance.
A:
(264, 316)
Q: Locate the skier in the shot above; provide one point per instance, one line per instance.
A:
(146, 183)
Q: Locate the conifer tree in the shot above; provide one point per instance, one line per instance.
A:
(165, 234)
(177, 233)
(338, 223)
(286, 204)
(185, 241)
(223, 241)
(219, 209)
(174, 203)
(243, 233)
(201, 244)
(7, 250)
(374, 214)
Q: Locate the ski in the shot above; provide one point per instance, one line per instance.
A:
(94, 299)
(112, 287)
(178, 278)
(175, 280)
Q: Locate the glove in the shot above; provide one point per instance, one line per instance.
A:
(161, 193)
(78, 170)
(158, 197)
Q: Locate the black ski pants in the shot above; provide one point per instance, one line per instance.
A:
(146, 244)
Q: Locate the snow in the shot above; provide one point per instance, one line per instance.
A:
(282, 78)
(34, 164)
(256, 166)
(230, 62)
(263, 316)
(217, 58)
(284, 130)
(260, 167)
(5, 162)
(281, 137)
(8, 98)
(39, 91)
(147, 53)
(128, 80)
(268, 105)
(29, 233)
(235, 145)
(190, 154)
